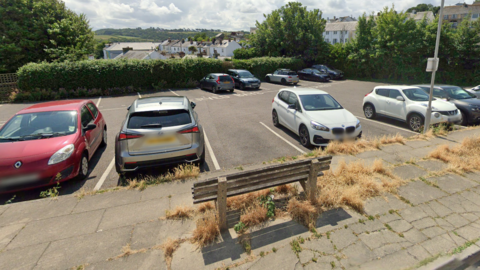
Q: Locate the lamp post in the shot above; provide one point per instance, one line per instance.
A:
(432, 66)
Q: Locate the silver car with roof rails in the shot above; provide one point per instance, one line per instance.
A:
(159, 131)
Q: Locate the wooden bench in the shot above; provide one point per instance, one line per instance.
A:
(219, 188)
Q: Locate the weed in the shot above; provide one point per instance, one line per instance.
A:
(406, 201)
(301, 240)
(169, 247)
(328, 235)
(282, 159)
(262, 253)
(127, 251)
(371, 218)
(454, 232)
(401, 235)
(294, 157)
(11, 200)
(254, 215)
(51, 192)
(283, 189)
(377, 216)
(315, 233)
(296, 246)
(412, 161)
(388, 227)
(367, 232)
(240, 168)
(428, 182)
(427, 260)
(204, 207)
(361, 221)
(346, 226)
(464, 246)
(335, 247)
(207, 230)
(332, 263)
(303, 211)
(274, 250)
(391, 211)
(246, 200)
(245, 241)
(180, 212)
(314, 259)
(239, 227)
(268, 203)
(309, 154)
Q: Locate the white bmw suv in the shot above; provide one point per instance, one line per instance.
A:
(408, 104)
(314, 115)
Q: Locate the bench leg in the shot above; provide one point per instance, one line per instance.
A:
(312, 180)
(222, 203)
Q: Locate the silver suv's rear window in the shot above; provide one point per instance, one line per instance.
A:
(158, 119)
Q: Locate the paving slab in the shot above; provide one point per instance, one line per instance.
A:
(386, 250)
(418, 192)
(439, 245)
(47, 230)
(457, 203)
(184, 199)
(284, 258)
(323, 262)
(395, 148)
(469, 232)
(377, 239)
(85, 249)
(452, 183)
(367, 226)
(418, 252)
(149, 234)
(474, 176)
(370, 154)
(418, 144)
(412, 214)
(3, 208)
(389, 217)
(356, 254)
(414, 236)
(22, 258)
(458, 136)
(398, 260)
(439, 209)
(444, 224)
(382, 205)
(9, 232)
(432, 165)
(472, 197)
(456, 220)
(395, 158)
(133, 213)
(306, 256)
(107, 200)
(470, 217)
(408, 172)
(24, 212)
(400, 225)
(152, 259)
(343, 238)
(322, 245)
(424, 223)
(433, 231)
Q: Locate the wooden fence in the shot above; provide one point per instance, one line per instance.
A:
(8, 84)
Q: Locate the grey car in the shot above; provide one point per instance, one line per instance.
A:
(159, 131)
(244, 79)
(217, 82)
(283, 76)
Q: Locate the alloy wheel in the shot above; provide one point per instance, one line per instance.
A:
(415, 123)
(275, 118)
(104, 136)
(84, 166)
(368, 111)
(304, 136)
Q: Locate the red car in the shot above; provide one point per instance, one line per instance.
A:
(48, 143)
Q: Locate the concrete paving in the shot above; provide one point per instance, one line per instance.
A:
(428, 216)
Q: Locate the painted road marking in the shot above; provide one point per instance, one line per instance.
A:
(98, 102)
(174, 93)
(209, 147)
(140, 96)
(113, 109)
(291, 144)
(388, 125)
(104, 175)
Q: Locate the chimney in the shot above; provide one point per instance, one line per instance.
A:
(191, 41)
(126, 49)
(169, 40)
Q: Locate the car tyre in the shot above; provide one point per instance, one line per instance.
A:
(369, 111)
(275, 121)
(231, 90)
(304, 137)
(214, 89)
(267, 79)
(202, 158)
(464, 119)
(104, 137)
(295, 83)
(284, 81)
(83, 167)
(415, 122)
(242, 86)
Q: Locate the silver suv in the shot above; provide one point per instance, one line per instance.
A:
(159, 131)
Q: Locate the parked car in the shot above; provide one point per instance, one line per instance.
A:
(244, 79)
(466, 102)
(283, 76)
(475, 90)
(48, 143)
(159, 131)
(408, 104)
(314, 115)
(217, 82)
(334, 74)
(313, 75)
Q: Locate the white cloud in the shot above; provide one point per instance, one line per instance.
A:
(216, 14)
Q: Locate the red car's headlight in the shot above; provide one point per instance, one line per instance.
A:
(62, 154)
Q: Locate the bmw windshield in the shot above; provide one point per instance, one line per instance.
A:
(33, 126)
(319, 102)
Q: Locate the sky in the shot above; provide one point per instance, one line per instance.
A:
(217, 14)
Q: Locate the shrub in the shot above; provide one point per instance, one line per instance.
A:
(246, 53)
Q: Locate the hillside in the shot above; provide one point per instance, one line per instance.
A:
(149, 34)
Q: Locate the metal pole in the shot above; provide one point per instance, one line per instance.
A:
(437, 43)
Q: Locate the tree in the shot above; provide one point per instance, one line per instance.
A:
(41, 30)
(98, 52)
(192, 49)
(467, 42)
(291, 30)
(424, 7)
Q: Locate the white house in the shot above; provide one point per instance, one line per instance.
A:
(340, 32)
(418, 16)
(224, 48)
(113, 50)
(142, 55)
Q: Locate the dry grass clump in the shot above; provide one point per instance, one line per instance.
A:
(127, 251)
(180, 212)
(391, 139)
(204, 207)
(350, 185)
(169, 247)
(254, 215)
(207, 230)
(246, 200)
(283, 189)
(303, 212)
(461, 158)
(186, 171)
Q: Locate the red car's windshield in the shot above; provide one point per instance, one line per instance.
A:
(39, 125)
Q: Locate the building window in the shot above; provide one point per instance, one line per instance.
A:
(334, 41)
(475, 16)
(346, 40)
(334, 32)
(341, 40)
(454, 16)
(327, 40)
(327, 32)
(454, 25)
(445, 17)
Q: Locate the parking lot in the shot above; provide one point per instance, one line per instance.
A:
(238, 127)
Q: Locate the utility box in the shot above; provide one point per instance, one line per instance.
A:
(432, 64)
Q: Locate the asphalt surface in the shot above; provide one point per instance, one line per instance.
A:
(238, 126)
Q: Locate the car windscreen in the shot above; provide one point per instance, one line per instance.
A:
(416, 94)
(316, 71)
(31, 126)
(245, 74)
(319, 102)
(158, 119)
(458, 93)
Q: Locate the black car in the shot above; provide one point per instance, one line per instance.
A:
(466, 102)
(313, 75)
(244, 79)
(334, 74)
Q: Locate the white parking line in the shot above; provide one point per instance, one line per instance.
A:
(209, 147)
(140, 96)
(114, 109)
(174, 93)
(104, 175)
(388, 125)
(99, 100)
(291, 144)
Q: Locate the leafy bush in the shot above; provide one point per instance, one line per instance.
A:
(246, 53)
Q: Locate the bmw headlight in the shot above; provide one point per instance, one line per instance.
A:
(358, 124)
(318, 126)
(61, 154)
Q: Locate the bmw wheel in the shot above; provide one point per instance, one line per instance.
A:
(284, 81)
(369, 111)
(415, 122)
(304, 136)
(275, 118)
(83, 170)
